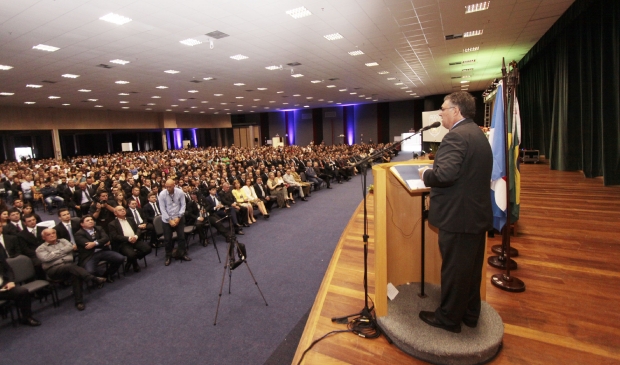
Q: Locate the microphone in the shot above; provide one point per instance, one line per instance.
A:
(434, 125)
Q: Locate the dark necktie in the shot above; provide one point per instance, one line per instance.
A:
(135, 217)
(156, 209)
(19, 228)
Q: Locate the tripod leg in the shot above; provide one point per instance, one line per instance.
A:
(256, 283)
(214, 244)
(221, 288)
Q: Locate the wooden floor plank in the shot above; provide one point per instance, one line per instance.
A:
(569, 244)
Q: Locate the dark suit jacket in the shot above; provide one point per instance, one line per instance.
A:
(140, 213)
(149, 213)
(77, 196)
(191, 213)
(61, 230)
(117, 237)
(82, 237)
(259, 193)
(13, 246)
(9, 229)
(29, 241)
(460, 181)
(5, 270)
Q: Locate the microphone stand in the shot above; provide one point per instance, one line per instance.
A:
(366, 315)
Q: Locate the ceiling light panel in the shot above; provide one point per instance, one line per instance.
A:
(192, 91)
(239, 84)
(356, 53)
(4, 93)
(472, 33)
(297, 75)
(84, 90)
(261, 88)
(190, 42)
(120, 62)
(333, 37)
(172, 71)
(239, 57)
(34, 86)
(372, 64)
(43, 47)
(383, 72)
(49, 97)
(115, 19)
(161, 87)
(5, 67)
(271, 68)
(300, 12)
(70, 76)
(477, 7)
(315, 81)
(121, 82)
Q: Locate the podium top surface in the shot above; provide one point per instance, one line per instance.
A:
(406, 172)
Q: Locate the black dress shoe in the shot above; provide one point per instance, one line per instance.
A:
(266, 216)
(246, 225)
(30, 322)
(80, 306)
(109, 279)
(168, 261)
(185, 258)
(127, 266)
(429, 318)
(239, 232)
(304, 199)
(136, 267)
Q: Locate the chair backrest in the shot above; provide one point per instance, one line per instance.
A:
(158, 225)
(75, 220)
(22, 266)
(302, 176)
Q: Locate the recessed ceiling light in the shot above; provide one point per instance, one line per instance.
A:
(342, 90)
(211, 108)
(368, 98)
(93, 99)
(256, 99)
(193, 107)
(464, 81)
(161, 87)
(296, 95)
(120, 62)
(223, 103)
(362, 96)
(399, 83)
(204, 102)
(299, 12)
(123, 94)
(409, 91)
(29, 102)
(239, 105)
(467, 69)
(124, 102)
(272, 101)
(5, 67)
(472, 33)
(239, 97)
(383, 72)
(70, 76)
(192, 91)
(182, 99)
(98, 106)
(168, 110)
(297, 75)
(356, 53)
(470, 49)
(239, 84)
(372, 64)
(353, 93)
(315, 81)
(466, 76)
(49, 97)
(66, 104)
(333, 37)
(261, 88)
(148, 109)
(185, 111)
(172, 71)
(174, 105)
(202, 112)
(190, 42)
(121, 82)
(115, 18)
(477, 7)
(279, 92)
(34, 86)
(271, 68)
(207, 78)
(330, 101)
(306, 106)
(43, 47)
(84, 90)
(309, 97)
(239, 57)
(391, 78)
(284, 103)
(218, 94)
(404, 87)
(151, 104)
(155, 97)
(125, 107)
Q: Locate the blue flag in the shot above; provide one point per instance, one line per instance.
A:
(498, 176)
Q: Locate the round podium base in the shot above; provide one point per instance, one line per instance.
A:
(500, 263)
(472, 346)
(497, 249)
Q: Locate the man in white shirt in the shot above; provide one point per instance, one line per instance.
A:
(125, 238)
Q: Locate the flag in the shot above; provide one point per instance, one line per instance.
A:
(514, 138)
(498, 147)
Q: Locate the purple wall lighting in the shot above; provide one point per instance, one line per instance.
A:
(194, 137)
(178, 139)
(289, 119)
(349, 115)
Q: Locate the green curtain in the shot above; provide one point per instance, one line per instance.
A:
(570, 92)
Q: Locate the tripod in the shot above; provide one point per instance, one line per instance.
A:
(230, 264)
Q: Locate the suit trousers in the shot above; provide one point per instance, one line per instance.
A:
(21, 297)
(113, 258)
(461, 275)
(180, 230)
(71, 271)
(136, 251)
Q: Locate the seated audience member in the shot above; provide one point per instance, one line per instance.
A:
(151, 210)
(243, 201)
(15, 224)
(277, 189)
(94, 246)
(304, 184)
(125, 238)
(82, 199)
(102, 211)
(250, 193)
(66, 228)
(293, 185)
(312, 176)
(322, 174)
(196, 214)
(51, 195)
(216, 209)
(10, 291)
(56, 256)
(229, 200)
(69, 196)
(30, 239)
(29, 211)
(10, 244)
(4, 217)
(263, 193)
(19, 205)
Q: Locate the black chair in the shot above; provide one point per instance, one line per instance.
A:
(23, 270)
(158, 226)
(7, 306)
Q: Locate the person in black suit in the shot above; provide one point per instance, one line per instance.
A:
(196, 214)
(8, 290)
(15, 224)
(125, 238)
(69, 195)
(215, 208)
(82, 199)
(461, 210)
(10, 244)
(66, 228)
(94, 246)
(239, 213)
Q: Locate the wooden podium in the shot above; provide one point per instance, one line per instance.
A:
(397, 219)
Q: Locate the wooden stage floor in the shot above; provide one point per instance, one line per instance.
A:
(569, 244)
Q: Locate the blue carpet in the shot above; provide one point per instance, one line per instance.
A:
(164, 315)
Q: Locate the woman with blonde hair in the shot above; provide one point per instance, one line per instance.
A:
(243, 201)
(250, 193)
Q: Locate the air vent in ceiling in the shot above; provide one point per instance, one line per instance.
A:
(191, 98)
(133, 92)
(294, 64)
(285, 96)
(454, 63)
(49, 82)
(216, 34)
(453, 36)
(249, 90)
(457, 77)
(103, 65)
(334, 79)
(357, 88)
(196, 81)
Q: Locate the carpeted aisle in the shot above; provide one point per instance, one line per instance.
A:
(164, 315)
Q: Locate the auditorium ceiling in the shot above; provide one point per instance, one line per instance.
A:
(251, 56)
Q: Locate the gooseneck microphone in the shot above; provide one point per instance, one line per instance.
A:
(434, 125)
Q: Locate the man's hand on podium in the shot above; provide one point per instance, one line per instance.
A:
(421, 172)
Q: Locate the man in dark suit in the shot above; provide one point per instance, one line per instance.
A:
(263, 193)
(461, 210)
(215, 208)
(82, 199)
(94, 246)
(10, 244)
(9, 291)
(69, 195)
(125, 238)
(66, 228)
(15, 224)
(196, 214)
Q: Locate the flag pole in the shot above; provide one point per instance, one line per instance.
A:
(505, 281)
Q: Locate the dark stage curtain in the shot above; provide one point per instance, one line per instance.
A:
(570, 92)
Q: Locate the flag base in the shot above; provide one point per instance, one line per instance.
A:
(497, 249)
(499, 262)
(508, 283)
